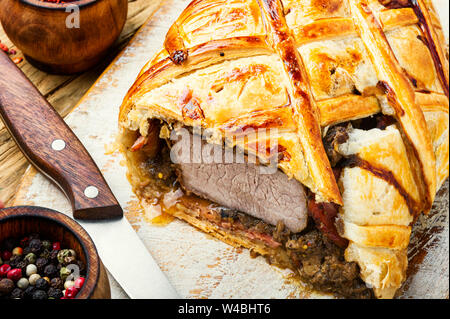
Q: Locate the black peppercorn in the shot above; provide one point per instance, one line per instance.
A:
(45, 254)
(35, 246)
(41, 263)
(42, 284)
(9, 244)
(53, 256)
(22, 265)
(26, 250)
(50, 271)
(17, 294)
(57, 283)
(29, 292)
(55, 293)
(40, 295)
(6, 286)
(36, 257)
(15, 260)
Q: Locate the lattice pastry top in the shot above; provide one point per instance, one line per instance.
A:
(303, 66)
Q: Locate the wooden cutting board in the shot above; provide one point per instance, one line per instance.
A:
(198, 265)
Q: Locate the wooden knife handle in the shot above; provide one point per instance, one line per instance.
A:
(52, 147)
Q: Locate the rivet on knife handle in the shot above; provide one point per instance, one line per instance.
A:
(52, 147)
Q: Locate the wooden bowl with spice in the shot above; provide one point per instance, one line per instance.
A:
(25, 233)
(63, 36)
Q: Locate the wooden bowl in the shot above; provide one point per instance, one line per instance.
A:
(20, 221)
(39, 29)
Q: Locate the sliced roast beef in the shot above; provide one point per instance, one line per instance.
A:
(266, 193)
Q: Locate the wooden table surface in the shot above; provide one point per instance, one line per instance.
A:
(63, 92)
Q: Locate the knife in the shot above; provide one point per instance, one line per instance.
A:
(51, 146)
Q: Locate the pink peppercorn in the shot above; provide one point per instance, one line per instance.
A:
(15, 274)
(71, 293)
(4, 269)
(6, 255)
(79, 283)
(56, 245)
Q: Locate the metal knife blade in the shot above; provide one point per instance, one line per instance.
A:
(127, 259)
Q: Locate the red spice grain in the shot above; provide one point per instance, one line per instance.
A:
(4, 269)
(56, 245)
(4, 48)
(71, 293)
(14, 274)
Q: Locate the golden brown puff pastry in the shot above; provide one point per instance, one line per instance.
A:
(304, 66)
